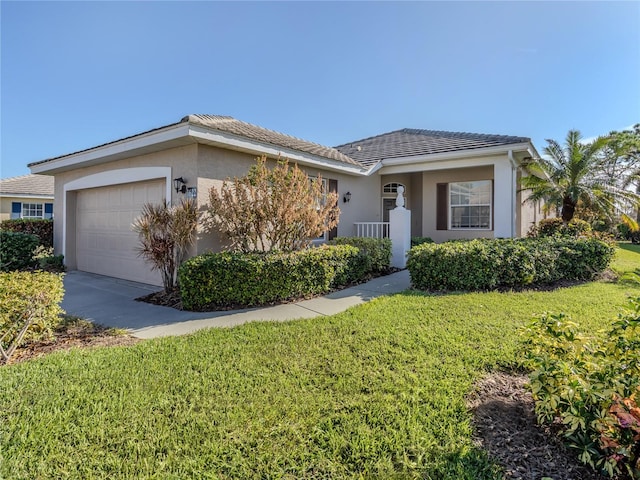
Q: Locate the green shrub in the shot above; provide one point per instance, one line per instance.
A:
(549, 227)
(46, 260)
(35, 226)
(377, 250)
(16, 250)
(453, 266)
(581, 259)
(229, 279)
(486, 264)
(29, 301)
(591, 387)
(415, 241)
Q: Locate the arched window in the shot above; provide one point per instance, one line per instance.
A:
(392, 187)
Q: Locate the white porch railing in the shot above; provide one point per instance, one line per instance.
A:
(372, 229)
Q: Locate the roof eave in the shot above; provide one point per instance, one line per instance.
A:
(147, 142)
(219, 138)
(181, 134)
(26, 195)
(468, 153)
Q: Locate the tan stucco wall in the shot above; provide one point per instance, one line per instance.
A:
(216, 165)
(5, 204)
(181, 160)
(528, 213)
(429, 185)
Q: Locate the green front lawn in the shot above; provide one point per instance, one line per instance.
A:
(375, 392)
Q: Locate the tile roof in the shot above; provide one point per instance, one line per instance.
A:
(27, 185)
(260, 134)
(411, 141)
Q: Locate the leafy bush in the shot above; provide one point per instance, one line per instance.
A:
(377, 251)
(164, 234)
(415, 241)
(453, 266)
(16, 250)
(549, 227)
(486, 264)
(29, 307)
(35, 226)
(46, 260)
(272, 209)
(227, 279)
(590, 387)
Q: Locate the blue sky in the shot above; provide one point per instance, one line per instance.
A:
(78, 74)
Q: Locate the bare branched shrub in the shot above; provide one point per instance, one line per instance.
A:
(272, 209)
(165, 233)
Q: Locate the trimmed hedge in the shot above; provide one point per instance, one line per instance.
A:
(35, 226)
(487, 264)
(232, 279)
(16, 250)
(39, 293)
(549, 227)
(377, 250)
(415, 241)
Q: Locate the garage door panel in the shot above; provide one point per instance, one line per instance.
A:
(105, 243)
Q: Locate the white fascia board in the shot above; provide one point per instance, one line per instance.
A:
(458, 154)
(442, 165)
(374, 169)
(26, 195)
(236, 142)
(106, 152)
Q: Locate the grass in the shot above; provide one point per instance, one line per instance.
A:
(375, 392)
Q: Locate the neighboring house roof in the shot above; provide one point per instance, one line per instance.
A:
(254, 132)
(27, 185)
(411, 141)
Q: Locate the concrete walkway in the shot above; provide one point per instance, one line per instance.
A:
(111, 302)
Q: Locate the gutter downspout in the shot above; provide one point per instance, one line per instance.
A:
(514, 188)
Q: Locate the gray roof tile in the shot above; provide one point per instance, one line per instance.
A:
(27, 185)
(260, 134)
(410, 141)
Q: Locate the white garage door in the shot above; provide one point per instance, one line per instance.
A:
(105, 243)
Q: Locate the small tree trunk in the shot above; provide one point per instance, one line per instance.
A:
(568, 209)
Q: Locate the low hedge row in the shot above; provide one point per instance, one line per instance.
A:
(487, 264)
(16, 250)
(29, 293)
(377, 251)
(227, 279)
(34, 226)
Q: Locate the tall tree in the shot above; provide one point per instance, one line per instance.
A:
(572, 174)
(622, 159)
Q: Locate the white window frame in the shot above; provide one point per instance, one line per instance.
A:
(451, 205)
(31, 207)
(392, 188)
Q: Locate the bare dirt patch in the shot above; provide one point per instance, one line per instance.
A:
(506, 428)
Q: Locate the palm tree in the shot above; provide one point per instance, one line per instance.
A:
(573, 174)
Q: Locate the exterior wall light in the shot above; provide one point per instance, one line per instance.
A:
(180, 185)
(347, 197)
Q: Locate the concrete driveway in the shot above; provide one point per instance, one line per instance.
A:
(111, 302)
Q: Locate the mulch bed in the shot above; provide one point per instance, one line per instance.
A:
(80, 334)
(505, 427)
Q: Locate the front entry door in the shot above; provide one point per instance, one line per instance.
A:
(387, 204)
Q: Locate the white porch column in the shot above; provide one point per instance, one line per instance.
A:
(400, 231)
(504, 198)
